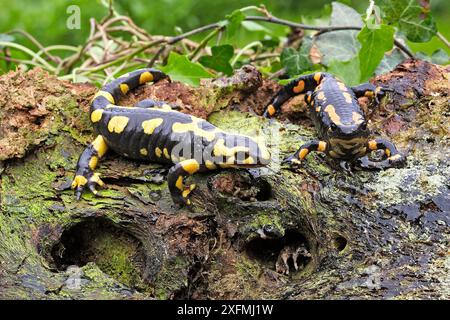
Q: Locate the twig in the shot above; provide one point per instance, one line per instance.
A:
(35, 42)
(443, 39)
(204, 42)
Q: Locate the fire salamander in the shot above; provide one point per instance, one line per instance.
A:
(339, 120)
(154, 131)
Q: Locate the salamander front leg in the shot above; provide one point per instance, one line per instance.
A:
(371, 91)
(315, 145)
(86, 165)
(175, 180)
(394, 157)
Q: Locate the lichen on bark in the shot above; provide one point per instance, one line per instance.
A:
(370, 234)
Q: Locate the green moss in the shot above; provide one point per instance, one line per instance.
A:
(172, 277)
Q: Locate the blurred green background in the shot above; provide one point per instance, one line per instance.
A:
(46, 19)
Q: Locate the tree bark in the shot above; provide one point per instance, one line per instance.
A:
(369, 234)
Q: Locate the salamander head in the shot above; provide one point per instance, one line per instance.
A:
(241, 151)
(347, 140)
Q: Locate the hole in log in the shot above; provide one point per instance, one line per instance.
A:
(286, 254)
(340, 243)
(115, 251)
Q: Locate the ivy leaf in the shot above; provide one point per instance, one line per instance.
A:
(440, 57)
(220, 59)
(412, 17)
(234, 21)
(340, 45)
(348, 70)
(179, 68)
(294, 62)
(390, 61)
(255, 27)
(374, 43)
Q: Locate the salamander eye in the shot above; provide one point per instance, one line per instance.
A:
(364, 125)
(333, 127)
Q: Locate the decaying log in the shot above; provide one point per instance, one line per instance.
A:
(368, 234)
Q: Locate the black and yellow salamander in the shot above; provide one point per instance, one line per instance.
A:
(153, 131)
(340, 122)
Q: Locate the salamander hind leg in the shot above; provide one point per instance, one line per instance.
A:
(394, 158)
(371, 91)
(298, 86)
(86, 165)
(175, 179)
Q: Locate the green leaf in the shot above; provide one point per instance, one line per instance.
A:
(220, 59)
(234, 22)
(348, 71)
(340, 45)
(412, 17)
(294, 62)
(440, 57)
(390, 61)
(374, 43)
(179, 68)
(255, 27)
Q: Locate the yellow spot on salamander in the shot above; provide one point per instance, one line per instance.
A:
(372, 145)
(303, 153)
(186, 192)
(322, 146)
(221, 150)
(318, 109)
(96, 178)
(100, 146)
(395, 157)
(143, 152)
(93, 162)
(79, 181)
(300, 87)
(388, 152)
(357, 117)
(96, 115)
(190, 166)
(342, 86)
(321, 95)
(179, 183)
(369, 94)
(166, 153)
(178, 127)
(271, 110)
(334, 117)
(348, 97)
(106, 95)
(150, 125)
(210, 165)
(124, 88)
(158, 152)
(308, 98)
(117, 124)
(317, 77)
(145, 77)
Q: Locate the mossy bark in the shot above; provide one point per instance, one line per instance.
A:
(370, 234)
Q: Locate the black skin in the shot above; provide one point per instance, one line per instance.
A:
(339, 120)
(154, 131)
